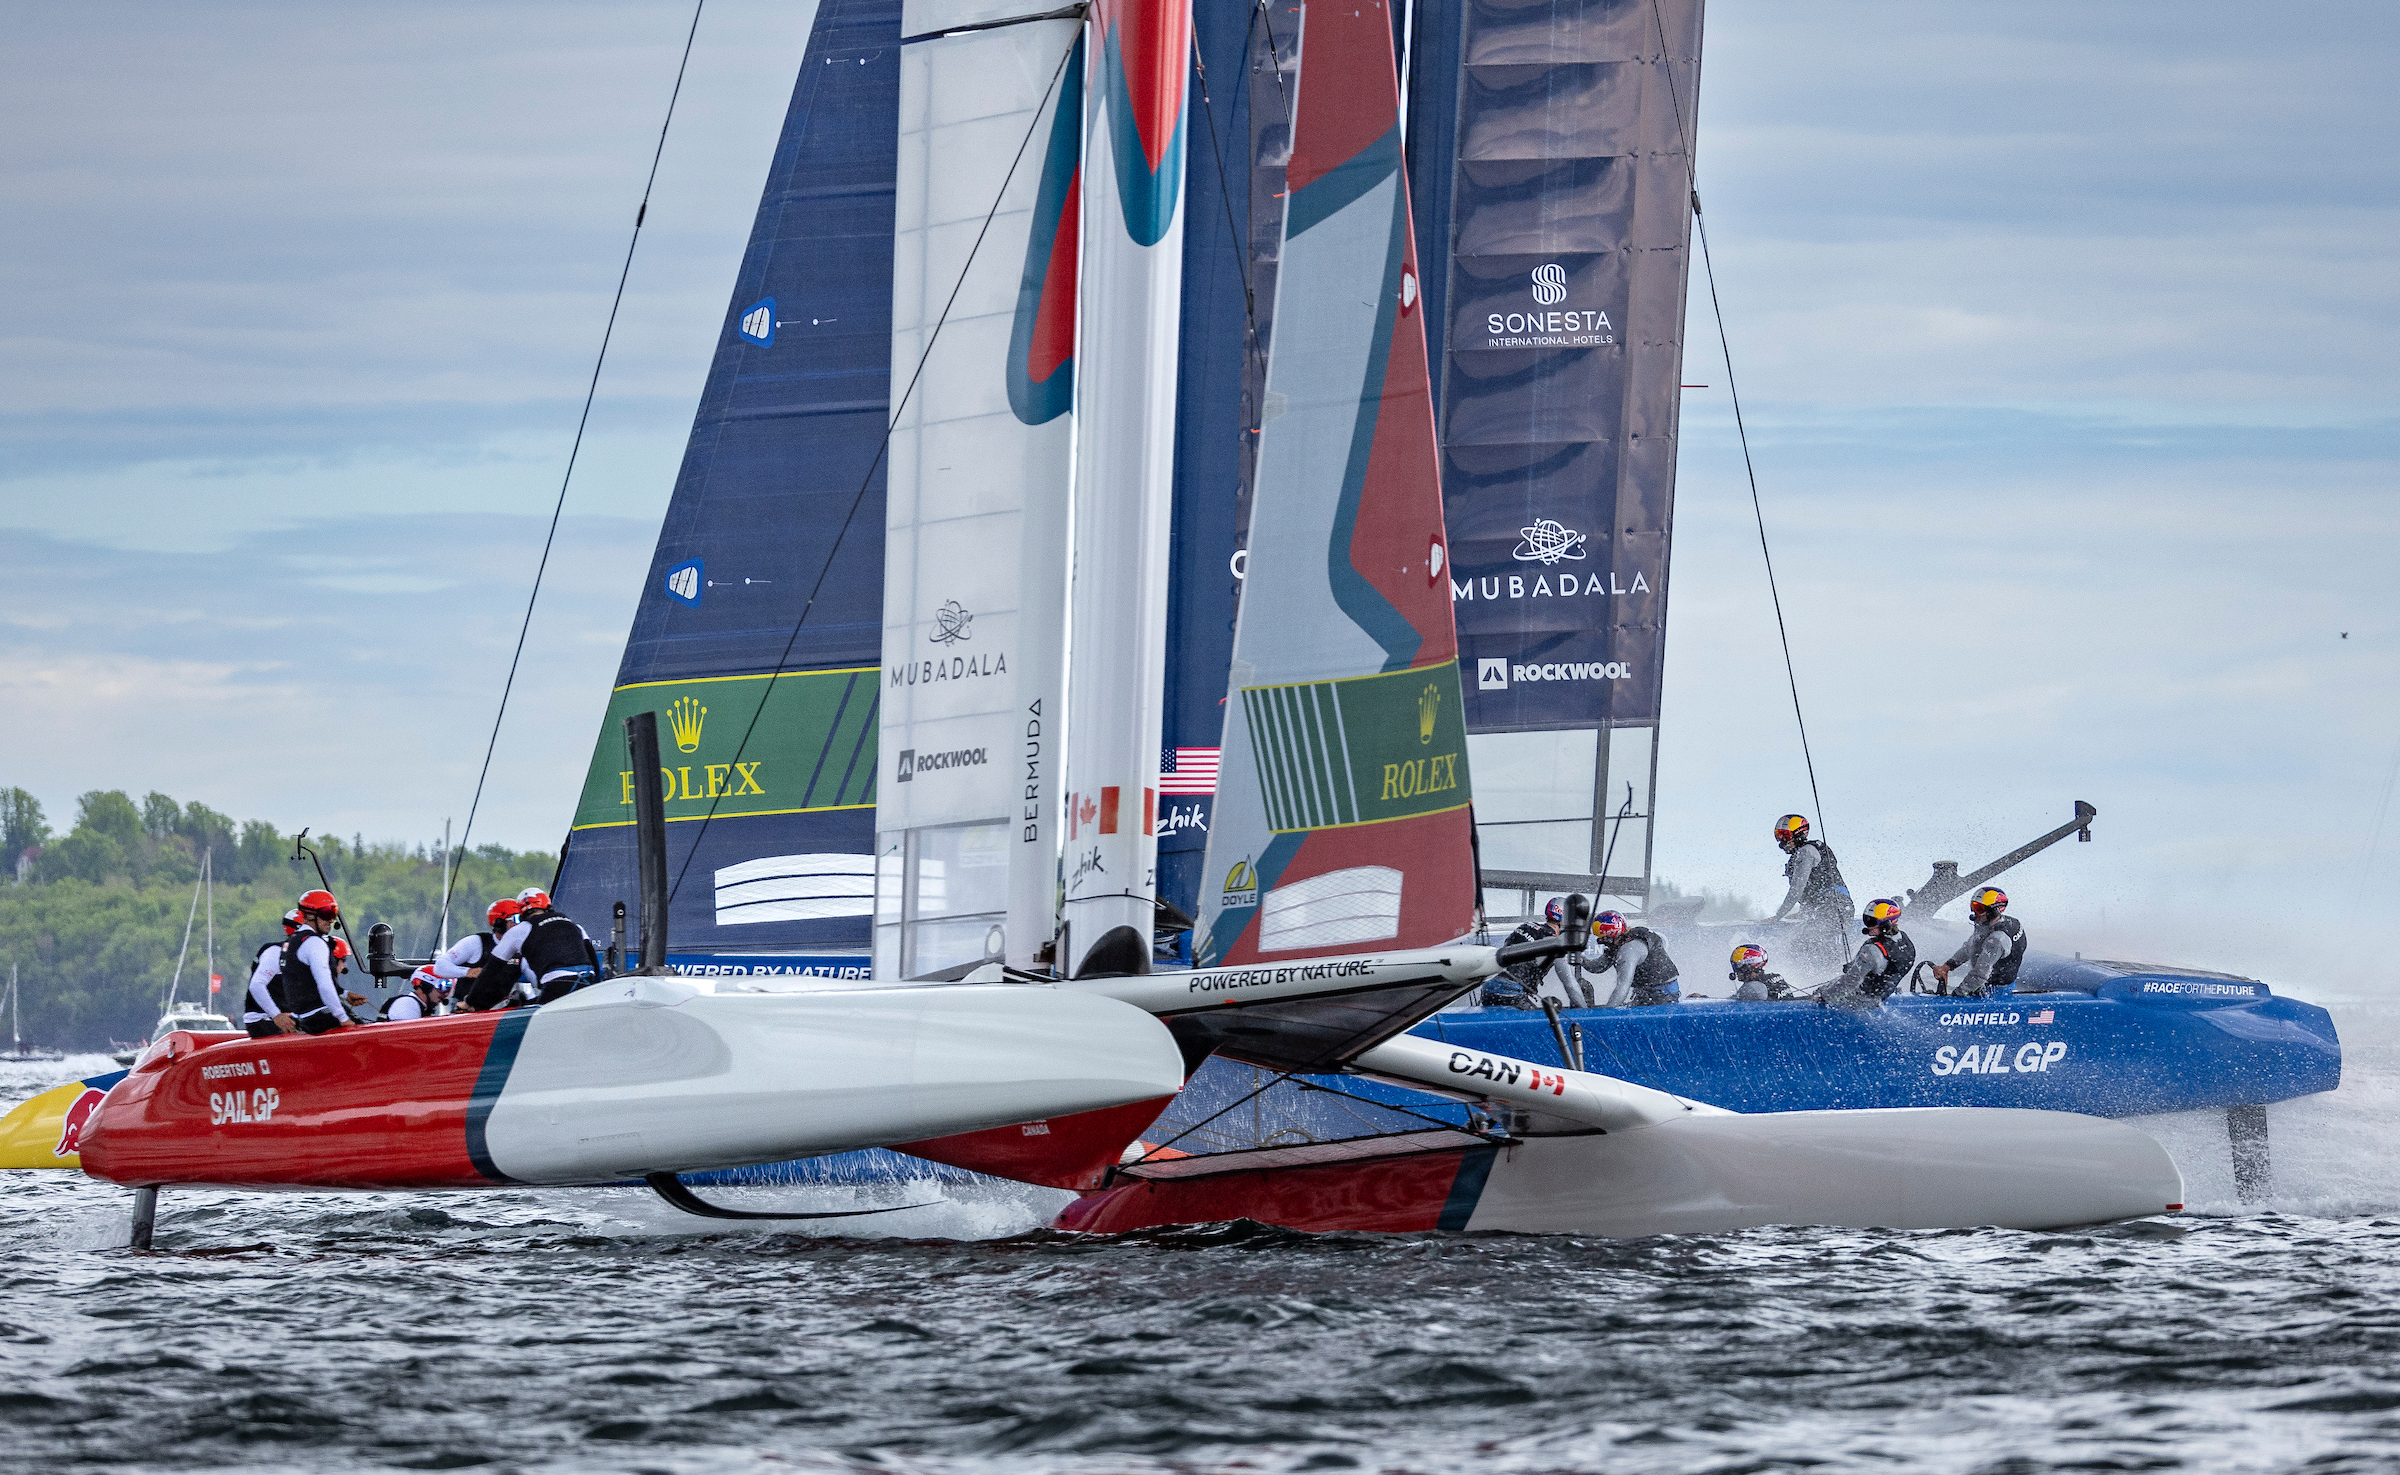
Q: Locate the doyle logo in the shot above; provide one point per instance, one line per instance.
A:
(913, 763)
(1550, 284)
(1491, 673)
(1571, 671)
(758, 322)
(684, 717)
(1241, 885)
(683, 584)
(1548, 543)
(951, 622)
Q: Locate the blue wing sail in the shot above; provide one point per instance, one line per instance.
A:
(768, 736)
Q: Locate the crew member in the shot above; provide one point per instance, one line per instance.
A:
(1645, 974)
(1816, 897)
(1519, 985)
(1992, 953)
(558, 954)
(1881, 965)
(260, 1019)
(303, 986)
(1752, 982)
(426, 992)
(490, 982)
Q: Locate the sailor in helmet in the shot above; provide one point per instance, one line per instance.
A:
(1519, 986)
(259, 1019)
(1881, 965)
(427, 992)
(1992, 952)
(1751, 980)
(557, 953)
(1638, 956)
(307, 999)
(1815, 897)
(490, 982)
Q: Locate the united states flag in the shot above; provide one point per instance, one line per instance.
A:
(1188, 771)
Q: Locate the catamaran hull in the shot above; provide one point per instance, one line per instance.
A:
(633, 1077)
(1906, 1169)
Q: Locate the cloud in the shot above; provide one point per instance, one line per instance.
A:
(285, 680)
(2064, 333)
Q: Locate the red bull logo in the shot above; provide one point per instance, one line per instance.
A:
(70, 1132)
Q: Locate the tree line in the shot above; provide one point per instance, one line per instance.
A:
(96, 917)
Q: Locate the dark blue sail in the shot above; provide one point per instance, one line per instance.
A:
(767, 719)
(1550, 151)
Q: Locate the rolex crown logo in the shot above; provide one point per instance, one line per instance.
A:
(1429, 706)
(684, 718)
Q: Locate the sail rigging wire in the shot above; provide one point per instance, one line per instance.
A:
(899, 407)
(1741, 429)
(2383, 808)
(590, 392)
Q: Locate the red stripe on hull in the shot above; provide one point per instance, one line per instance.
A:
(367, 1106)
(1070, 1152)
(1398, 1196)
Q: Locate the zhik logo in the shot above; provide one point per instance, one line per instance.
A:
(1491, 673)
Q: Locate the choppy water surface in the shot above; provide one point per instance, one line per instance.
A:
(603, 1331)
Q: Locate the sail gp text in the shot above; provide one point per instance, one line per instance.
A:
(243, 1106)
(1993, 1060)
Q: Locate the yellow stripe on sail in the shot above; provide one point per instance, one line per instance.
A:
(29, 1135)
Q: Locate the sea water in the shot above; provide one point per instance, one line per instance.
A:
(601, 1330)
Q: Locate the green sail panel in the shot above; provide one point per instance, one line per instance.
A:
(812, 749)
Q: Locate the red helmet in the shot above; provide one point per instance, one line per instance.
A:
(534, 899)
(1792, 827)
(1608, 926)
(291, 921)
(319, 903)
(1555, 913)
(504, 907)
(341, 949)
(1991, 901)
(1748, 958)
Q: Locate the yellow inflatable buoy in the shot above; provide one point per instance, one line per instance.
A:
(42, 1132)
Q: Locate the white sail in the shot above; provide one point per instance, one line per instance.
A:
(976, 525)
(1137, 60)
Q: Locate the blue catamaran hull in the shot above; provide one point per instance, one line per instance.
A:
(2108, 1039)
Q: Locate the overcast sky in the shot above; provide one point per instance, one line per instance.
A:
(2064, 334)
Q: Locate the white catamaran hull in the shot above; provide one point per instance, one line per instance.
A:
(629, 1078)
(1925, 1168)
(1590, 1154)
